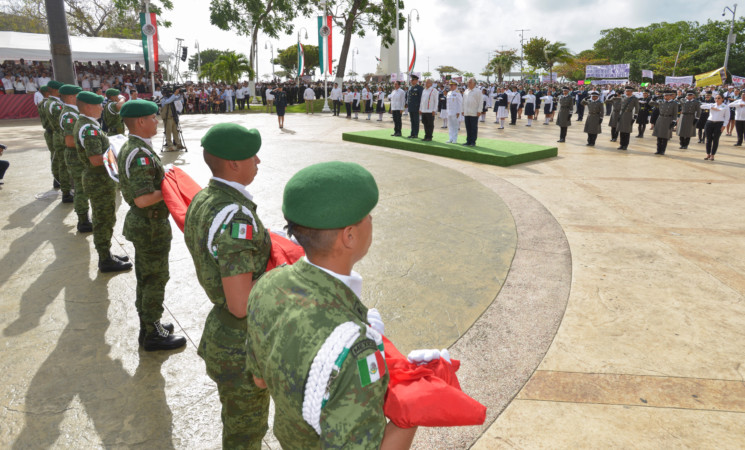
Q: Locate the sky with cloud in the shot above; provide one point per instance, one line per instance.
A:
(459, 33)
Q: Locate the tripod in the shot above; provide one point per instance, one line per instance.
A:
(175, 118)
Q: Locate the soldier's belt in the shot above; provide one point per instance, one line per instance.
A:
(149, 213)
(226, 318)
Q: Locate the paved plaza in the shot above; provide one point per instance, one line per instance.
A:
(595, 299)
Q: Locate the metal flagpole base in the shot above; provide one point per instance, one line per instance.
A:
(326, 105)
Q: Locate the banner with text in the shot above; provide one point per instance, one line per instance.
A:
(608, 81)
(545, 78)
(610, 71)
(738, 80)
(713, 78)
(678, 81)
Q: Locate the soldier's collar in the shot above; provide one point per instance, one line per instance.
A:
(89, 117)
(353, 281)
(149, 142)
(237, 186)
(75, 107)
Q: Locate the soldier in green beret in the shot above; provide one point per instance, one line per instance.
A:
(230, 248)
(59, 166)
(41, 108)
(146, 225)
(308, 340)
(91, 144)
(111, 116)
(67, 119)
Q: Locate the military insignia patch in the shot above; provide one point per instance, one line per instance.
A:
(241, 231)
(92, 133)
(371, 368)
(144, 161)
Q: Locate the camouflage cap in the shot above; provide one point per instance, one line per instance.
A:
(69, 89)
(90, 98)
(330, 195)
(232, 141)
(138, 108)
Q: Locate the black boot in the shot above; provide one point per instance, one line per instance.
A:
(123, 258)
(166, 326)
(84, 224)
(67, 198)
(55, 184)
(112, 264)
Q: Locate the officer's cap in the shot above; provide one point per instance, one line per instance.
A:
(231, 141)
(330, 195)
(690, 92)
(69, 89)
(453, 82)
(668, 92)
(629, 88)
(54, 84)
(594, 93)
(138, 108)
(414, 77)
(565, 88)
(112, 92)
(90, 98)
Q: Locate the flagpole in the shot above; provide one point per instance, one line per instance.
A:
(152, 69)
(325, 72)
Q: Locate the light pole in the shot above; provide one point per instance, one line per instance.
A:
(199, 61)
(272, 49)
(522, 38)
(730, 37)
(325, 32)
(397, 66)
(298, 52)
(408, 43)
(355, 51)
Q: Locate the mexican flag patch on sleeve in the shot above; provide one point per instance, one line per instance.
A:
(371, 368)
(92, 133)
(69, 120)
(241, 231)
(144, 161)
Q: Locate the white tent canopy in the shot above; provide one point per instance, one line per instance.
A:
(35, 47)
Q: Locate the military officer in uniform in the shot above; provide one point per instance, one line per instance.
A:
(627, 116)
(230, 248)
(91, 143)
(309, 337)
(146, 224)
(75, 168)
(642, 119)
(614, 101)
(42, 109)
(111, 116)
(413, 100)
(54, 109)
(594, 117)
(690, 110)
(564, 117)
(668, 115)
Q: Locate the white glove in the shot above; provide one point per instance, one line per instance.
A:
(168, 167)
(375, 320)
(425, 356)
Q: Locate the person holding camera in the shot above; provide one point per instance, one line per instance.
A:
(169, 114)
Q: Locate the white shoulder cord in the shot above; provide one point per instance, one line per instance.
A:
(220, 223)
(132, 155)
(330, 357)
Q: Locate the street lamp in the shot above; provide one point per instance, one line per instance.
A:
(355, 51)
(298, 49)
(408, 41)
(272, 48)
(730, 37)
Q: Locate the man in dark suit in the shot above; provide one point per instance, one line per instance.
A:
(413, 100)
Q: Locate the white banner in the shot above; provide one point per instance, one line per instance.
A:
(647, 74)
(677, 81)
(546, 79)
(738, 80)
(609, 81)
(610, 71)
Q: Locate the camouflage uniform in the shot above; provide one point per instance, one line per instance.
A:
(292, 310)
(217, 254)
(112, 119)
(54, 109)
(42, 108)
(101, 189)
(141, 173)
(67, 119)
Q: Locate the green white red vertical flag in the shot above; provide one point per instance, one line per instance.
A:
(300, 60)
(149, 28)
(324, 44)
(413, 55)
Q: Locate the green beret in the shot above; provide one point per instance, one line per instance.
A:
(44, 89)
(112, 92)
(69, 89)
(232, 141)
(54, 84)
(330, 195)
(138, 108)
(90, 98)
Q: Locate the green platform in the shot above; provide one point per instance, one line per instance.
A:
(487, 151)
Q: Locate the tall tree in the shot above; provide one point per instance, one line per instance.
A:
(209, 55)
(502, 63)
(446, 70)
(353, 17)
(248, 17)
(533, 52)
(287, 59)
(556, 52)
(231, 66)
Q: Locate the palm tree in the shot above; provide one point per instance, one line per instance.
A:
(502, 63)
(556, 53)
(207, 72)
(231, 66)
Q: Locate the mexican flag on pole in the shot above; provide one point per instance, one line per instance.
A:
(324, 44)
(149, 28)
(300, 60)
(413, 55)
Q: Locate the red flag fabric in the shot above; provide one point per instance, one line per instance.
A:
(428, 395)
(178, 189)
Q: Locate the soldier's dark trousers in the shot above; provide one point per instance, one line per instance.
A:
(102, 195)
(76, 168)
(414, 118)
(513, 113)
(608, 108)
(563, 133)
(614, 133)
(661, 145)
(642, 128)
(740, 127)
(591, 138)
(397, 122)
(713, 131)
(428, 121)
(580, 112)
(684, 141)
(348, 108)
(625, 138)
(245, 407)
